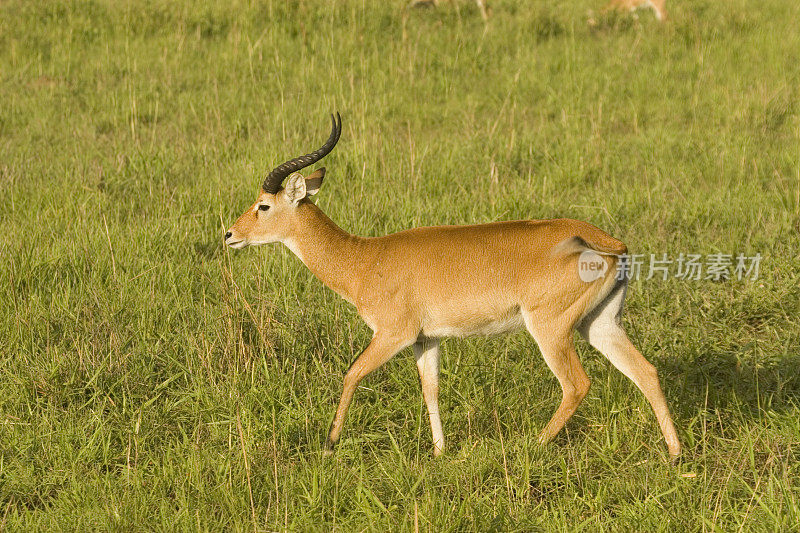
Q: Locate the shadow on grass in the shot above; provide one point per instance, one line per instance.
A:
(750, 384)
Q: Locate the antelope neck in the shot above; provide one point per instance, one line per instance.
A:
(328, 251)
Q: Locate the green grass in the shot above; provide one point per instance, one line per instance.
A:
(150, 379)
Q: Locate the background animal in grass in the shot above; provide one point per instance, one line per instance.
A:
(618, 5)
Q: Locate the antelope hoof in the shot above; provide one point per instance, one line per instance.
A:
(329, 449)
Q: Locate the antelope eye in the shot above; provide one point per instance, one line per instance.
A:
(263, 207)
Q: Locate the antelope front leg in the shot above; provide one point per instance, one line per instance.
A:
(381, 349)
(427, 353)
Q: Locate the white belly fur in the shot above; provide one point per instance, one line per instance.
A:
(475, 326)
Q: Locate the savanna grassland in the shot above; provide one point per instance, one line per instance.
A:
(151, 379)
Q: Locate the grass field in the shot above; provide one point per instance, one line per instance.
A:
(152, 380)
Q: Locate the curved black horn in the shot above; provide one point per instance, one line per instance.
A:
(274, 179)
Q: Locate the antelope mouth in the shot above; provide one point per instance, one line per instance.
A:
(237, 244)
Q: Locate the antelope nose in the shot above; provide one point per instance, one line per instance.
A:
(228, 235)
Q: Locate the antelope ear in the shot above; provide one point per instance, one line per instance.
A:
(314, 181)
(295, 189)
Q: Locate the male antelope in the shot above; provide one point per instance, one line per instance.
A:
(420, 285)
